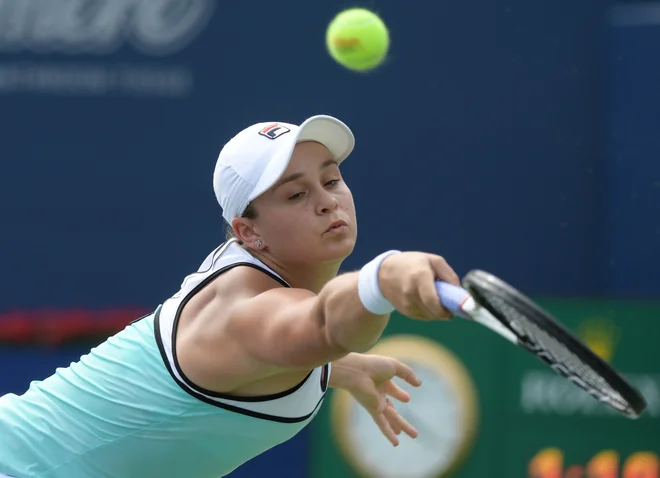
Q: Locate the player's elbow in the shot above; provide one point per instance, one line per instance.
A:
(314, 341)
(331, 346)
(363, 346)
(347, 344)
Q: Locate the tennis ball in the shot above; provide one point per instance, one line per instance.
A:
(357, 39)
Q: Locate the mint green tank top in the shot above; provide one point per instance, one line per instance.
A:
(126, 409)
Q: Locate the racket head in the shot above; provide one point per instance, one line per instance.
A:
(542, 335)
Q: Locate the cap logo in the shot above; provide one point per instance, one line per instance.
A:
(274, 131)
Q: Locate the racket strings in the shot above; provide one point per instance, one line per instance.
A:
(556, 354)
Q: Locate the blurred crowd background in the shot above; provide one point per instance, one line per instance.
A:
(519, 137)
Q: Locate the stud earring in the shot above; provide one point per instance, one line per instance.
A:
(258, 243)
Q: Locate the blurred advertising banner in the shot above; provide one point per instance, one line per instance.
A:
(456, 410)
(521, 419)
(63, 31)
(554, 427)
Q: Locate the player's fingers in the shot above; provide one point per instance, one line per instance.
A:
(391, 416)
(409, 302)
(394, 391)
(399, 423)
(443, 271)
(386, 429)
(428, 296)
(406, 373)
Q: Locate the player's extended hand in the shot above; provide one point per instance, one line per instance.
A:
(368, 378)
(407, 280)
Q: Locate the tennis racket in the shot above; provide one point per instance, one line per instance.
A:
(491, 302)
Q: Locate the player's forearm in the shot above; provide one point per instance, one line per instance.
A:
(348, 324)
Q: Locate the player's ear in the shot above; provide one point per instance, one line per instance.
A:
(245, 230)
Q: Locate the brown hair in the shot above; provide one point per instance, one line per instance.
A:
(249, 213)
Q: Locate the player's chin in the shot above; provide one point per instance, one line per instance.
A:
(338, 248)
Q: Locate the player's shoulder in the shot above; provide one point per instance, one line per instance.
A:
(245, 281)
(247, 295)
(222, 302)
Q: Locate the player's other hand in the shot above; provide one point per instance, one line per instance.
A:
(370, 380)
(407, 280)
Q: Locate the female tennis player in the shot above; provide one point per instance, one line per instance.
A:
(239, 359)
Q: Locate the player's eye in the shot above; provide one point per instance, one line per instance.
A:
(296, 196)
(332, 182)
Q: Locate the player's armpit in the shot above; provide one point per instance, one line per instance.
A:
(283, 327)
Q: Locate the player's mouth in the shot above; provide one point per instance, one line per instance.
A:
(338, 226)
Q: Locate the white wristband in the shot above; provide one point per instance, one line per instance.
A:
(369, 290)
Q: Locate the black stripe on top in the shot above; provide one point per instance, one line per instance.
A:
(203, 394)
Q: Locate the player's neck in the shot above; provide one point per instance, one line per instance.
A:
(303, 276)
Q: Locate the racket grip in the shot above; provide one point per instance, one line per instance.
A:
(452, 297)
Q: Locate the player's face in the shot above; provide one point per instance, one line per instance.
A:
(308, 216)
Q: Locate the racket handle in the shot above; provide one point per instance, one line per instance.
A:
(452, 297)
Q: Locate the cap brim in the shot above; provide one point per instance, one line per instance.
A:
(330, 132)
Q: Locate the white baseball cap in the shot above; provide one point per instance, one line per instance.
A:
(255, 159)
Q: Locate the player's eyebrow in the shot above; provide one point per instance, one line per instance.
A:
(294, 176)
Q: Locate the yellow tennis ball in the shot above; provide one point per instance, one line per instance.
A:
(358, 39)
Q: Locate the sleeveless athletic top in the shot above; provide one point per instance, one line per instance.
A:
(127, 410)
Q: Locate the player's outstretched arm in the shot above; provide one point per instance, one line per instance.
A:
(294, 328)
